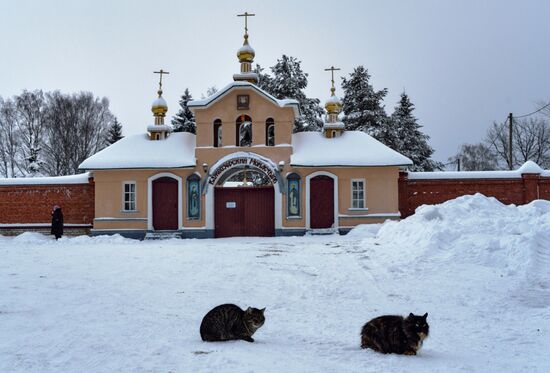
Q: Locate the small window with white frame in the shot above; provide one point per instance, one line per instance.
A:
(129, 196)
(358, 194)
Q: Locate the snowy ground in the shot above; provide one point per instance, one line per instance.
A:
(480, 269)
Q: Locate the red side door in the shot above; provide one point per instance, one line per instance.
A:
(165, 204)
(321, 202)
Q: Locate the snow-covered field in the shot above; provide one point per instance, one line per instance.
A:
(479, 268)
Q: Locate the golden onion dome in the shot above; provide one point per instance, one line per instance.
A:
(246, 53)
(159, 106)
(333, 105)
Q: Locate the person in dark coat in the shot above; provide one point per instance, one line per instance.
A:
(57, 222)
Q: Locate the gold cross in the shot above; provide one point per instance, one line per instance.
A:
(332, 69)
(246, 15)
(161, 72)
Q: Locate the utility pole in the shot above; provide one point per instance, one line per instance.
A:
(511, 160)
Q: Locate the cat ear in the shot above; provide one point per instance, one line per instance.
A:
(248, 310)
(263, 310)
(425, 316)
(411, 315)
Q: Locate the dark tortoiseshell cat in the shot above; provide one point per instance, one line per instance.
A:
(395, 334)
(229, 322)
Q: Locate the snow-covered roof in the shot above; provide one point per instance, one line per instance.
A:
(51, 180)
(138, 151)
(244, 85)
(352, 148)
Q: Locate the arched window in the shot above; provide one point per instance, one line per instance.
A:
(217, 133)
(193, 197)
(158, 136)
(270, 132)
(243, 129)
(293, 195)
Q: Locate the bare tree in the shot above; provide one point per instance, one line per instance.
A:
(476, 157)
(530, 141)
(76, 128)
(9, 139)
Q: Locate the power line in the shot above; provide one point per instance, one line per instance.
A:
(534, 112)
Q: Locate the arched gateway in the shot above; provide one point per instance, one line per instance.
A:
(243, 188)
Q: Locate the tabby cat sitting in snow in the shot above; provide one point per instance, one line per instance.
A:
(229, 322)
(395, 334)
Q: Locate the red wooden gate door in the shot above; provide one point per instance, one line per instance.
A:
(165, 204)
(321, 202)
(244, 211)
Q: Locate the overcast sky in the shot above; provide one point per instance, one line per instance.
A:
(464, 63)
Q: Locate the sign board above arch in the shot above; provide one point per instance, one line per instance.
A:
(240, 160)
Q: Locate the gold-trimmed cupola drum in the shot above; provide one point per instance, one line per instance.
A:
(332, 126)
(246, 55)
(159, 107)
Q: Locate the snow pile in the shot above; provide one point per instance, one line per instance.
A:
(480, 232)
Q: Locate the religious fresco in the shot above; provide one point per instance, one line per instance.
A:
(294, 197)
(193, 199)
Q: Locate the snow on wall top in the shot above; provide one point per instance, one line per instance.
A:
(138, 151)
(352, 148)
(70, 179)
(464, 175)
(528, 167)
(247, 85)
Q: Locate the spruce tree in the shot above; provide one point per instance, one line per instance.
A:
(362, 105)
(114, 133)
(404, 136)
(264, 80)
(289, 81)
(184, 120)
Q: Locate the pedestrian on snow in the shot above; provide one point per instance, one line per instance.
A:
(57, 222)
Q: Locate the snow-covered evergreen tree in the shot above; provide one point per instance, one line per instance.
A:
(403, 134)
(264, 80)
(362, 105)
(184, 120)
(34, 163)
(115, 132)
(289, 81)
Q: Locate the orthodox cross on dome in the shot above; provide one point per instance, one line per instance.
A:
(161, 72)
(332, 69)
(246, 15)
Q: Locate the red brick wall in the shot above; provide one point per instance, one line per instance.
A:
(20, 204)
(544, 188)
(417, 192)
